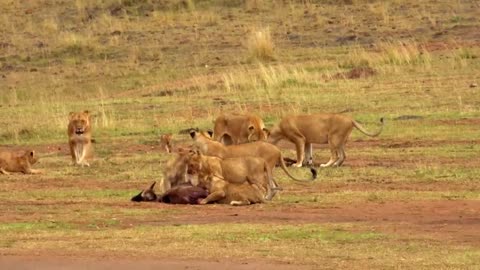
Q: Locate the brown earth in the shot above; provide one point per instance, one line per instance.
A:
(450, 220)
(456, 222)
(75, 263)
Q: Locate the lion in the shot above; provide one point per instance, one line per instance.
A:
(269, 152)
(14, 161)
(166, 142)
(304, 130)
(80, 137)
(181, 194)
(238, 128)
(175, 171)
(224, 192)
(250, 170)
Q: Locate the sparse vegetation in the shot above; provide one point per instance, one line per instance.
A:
(145, 68)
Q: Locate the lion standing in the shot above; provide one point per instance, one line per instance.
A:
(80, 137)
(305, 130)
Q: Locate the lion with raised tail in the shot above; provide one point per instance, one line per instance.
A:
(305, 130)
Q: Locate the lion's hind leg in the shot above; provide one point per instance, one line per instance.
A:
(341, 156)
(299, 142)
(3, 171)
(333, 155)
(214, 196)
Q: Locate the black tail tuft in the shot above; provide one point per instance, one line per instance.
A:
(381, 120)
(314, 173)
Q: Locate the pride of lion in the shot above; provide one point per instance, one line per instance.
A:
(232, 165)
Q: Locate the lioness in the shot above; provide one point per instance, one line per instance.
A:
(224, 192)
(303, 130)
(269, 152)
(166, 142)
(175, 171)
(182, 194)
(250, 170)
(14, 161)
(238, 128)
(80, 137)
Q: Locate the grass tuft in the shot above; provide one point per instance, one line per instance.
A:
(260, 45)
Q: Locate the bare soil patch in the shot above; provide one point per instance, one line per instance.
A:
(53, 262)
(457, 220)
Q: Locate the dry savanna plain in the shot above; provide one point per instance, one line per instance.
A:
(407, 199)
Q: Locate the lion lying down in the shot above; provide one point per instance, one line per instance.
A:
(224, 192)
(15, 161)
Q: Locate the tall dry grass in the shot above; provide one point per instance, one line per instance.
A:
(260, 45)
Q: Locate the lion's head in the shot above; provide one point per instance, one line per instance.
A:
(31, 156)
(257, 132)
(79, 122)
(194, 162)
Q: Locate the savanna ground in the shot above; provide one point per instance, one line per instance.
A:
(407, 199)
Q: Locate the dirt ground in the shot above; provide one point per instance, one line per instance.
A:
(61, 263)
(456, 222)
(447, 221)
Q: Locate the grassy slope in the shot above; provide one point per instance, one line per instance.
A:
(146, 68)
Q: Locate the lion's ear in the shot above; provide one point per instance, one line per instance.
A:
(193, 133)
(210, 133)
(267, 132)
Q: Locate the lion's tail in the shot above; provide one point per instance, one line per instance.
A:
(364, 131)
(284, 167)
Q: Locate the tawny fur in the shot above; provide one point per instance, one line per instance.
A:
(80, 138)
(250, 170)
(175, 171)
(239, 128)
(166, 142)
(269, 152)
(18, 161)
(224, 192)
(305, 130)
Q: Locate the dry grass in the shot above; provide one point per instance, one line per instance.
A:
(260, 45)
(151, 67)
